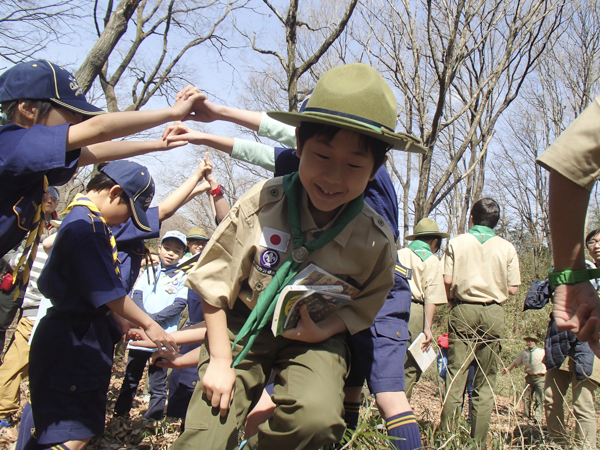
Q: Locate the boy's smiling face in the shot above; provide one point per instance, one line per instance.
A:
(170, 252)
(333, 172)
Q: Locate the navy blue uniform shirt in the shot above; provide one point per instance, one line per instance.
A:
(26, 156)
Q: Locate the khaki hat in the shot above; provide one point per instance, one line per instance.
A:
(197, 233)
(530, 337)
(354, 97)
(426, 227)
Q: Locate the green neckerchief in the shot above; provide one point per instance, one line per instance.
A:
(265, 305)
(531, 354)
(482, 233)
(421, 249)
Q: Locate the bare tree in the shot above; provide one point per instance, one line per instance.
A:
(305, 44)
(167, 29)
(26, 26)
(459, 64)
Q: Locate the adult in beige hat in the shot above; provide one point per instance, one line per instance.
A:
(426, 287)
(532, 359)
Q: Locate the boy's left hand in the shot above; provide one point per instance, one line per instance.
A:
(310, 331)
(183, 107)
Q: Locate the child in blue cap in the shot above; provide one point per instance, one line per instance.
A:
(163, 299)
(46, 137)
(72, 350)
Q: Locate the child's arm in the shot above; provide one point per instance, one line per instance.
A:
(309, 331)
(113, 150)
(106, 127)
(169, 312)
(189, 335)
(221, 207)
(125, 307)
(182, 194)
(576, 306)
(177, 361)
(219, 380)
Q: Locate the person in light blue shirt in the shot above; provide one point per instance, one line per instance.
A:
(163, 299)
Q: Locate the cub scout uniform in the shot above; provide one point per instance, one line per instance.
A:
(576, 152)
(482, 266)
(237, 265)
(535, 370)
(426, 287)
(71, 352)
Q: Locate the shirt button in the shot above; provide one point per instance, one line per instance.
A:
(258, 286)
(73, 388)
(380, 222)
(274, 192)
(398, 333)
(193, 383)
(317, 234)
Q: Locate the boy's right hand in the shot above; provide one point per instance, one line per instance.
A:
(203, 109)
(218, 384)
(161, 338)
(185, 100)
(180, 132)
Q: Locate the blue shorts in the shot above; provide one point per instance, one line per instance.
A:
(377, 353)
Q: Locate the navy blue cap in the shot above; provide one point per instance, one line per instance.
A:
(137, 183)
(42, 80)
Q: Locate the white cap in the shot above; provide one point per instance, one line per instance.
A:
(174, 234)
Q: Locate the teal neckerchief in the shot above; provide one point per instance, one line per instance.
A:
(531, 354)
(482, 233)
(421, 249)
(265, 305)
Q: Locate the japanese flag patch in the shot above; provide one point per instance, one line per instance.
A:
(274, 239)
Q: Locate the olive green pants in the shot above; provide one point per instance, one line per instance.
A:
(412, 371)
(308, 394)
(475, 331)
(556, 387)
(533, 399)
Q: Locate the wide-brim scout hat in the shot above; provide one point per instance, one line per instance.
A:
(197, 233)
(42, 80)
(354, 97)
(426, 227)
(531, 337)
(137, 183)
(174, 234)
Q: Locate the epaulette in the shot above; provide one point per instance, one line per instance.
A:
(261, 194)
(403, 271)
(98, 224)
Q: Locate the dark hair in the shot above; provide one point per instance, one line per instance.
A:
(376, 147)
(102, 181)
(429, 238)
(43, 107)
(590, 235)
(486, 212)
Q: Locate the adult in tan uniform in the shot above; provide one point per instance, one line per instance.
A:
(574, 164)
(426, 288)
(480, 271)
(532, 359)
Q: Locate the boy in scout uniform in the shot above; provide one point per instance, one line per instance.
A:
(574, 164)
(532, 360)
(316, 215)
(426, 287)
(480, 271)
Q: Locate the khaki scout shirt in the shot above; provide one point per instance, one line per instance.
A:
(533, 363)
(576, 152)
(481, 273)
(235, 266)
(427, 282)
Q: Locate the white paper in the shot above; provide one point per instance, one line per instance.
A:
(423, 359)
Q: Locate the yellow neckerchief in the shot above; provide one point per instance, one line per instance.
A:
(81, 200)
(31, 245)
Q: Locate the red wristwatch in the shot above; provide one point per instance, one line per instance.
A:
(217, 191)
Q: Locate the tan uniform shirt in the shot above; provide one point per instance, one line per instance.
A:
(533, 363)
(576, 152)
(427, 281)
(481, 273)
(235, 265)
